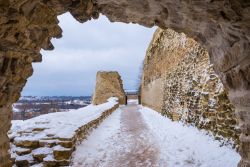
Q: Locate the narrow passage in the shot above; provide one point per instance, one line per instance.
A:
(122, 140)
(134, 136)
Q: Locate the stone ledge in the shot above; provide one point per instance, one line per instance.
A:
(61, 149)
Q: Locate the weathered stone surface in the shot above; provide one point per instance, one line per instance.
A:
(51, 152)
(156, 63)
(27, 143)
(47, 143)
(223, 27)
(108, 84)
(190, 89)
(40, 153)
(22, 151)
(61, 153)
(67, 144)
(24, 161)
(49, 161)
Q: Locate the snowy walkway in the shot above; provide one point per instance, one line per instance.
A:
(140, 137)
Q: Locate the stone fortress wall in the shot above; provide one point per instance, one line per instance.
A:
(108, 84)
(179, 81)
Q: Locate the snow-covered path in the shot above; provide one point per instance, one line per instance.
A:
(135, 136)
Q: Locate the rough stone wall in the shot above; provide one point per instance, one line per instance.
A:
(14, 72)
(158, 60)
(108, 84)
(51, 152)
(152, 94)
(191, 92)
(223, 27)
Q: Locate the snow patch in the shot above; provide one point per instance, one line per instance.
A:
(58, 125)
(183, 146)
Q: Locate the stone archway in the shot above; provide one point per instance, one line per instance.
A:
(223, 27)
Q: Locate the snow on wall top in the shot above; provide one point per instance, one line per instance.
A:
(58, 125)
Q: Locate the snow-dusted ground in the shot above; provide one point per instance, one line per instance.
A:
(132, 101)
(187, 146)
(140, 137)
(98, 146)
(57, 125)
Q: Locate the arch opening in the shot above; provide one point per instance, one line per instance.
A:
(69, 71)
(223, 27)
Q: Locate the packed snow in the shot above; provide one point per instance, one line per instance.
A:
(98, 146)
(139, 136)
(58, 125)
(131, 136)
(134, 101)
(183, 146)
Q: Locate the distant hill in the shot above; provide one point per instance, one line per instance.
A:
(31, 106)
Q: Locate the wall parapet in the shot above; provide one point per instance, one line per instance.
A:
(51, 151)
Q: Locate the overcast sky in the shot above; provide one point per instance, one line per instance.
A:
(70, 69)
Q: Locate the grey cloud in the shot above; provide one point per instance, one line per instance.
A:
(85, 49)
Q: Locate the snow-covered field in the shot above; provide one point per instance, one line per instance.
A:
(147, 139)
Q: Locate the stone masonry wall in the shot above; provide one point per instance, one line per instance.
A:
(108, 84)
(152, 94)
(158, 60)
(51, 151)
(192, 92)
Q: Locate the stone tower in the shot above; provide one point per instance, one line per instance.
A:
(108, 84)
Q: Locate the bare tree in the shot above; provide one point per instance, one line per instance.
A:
(23, 110)
(44, 108)
(139, 78)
